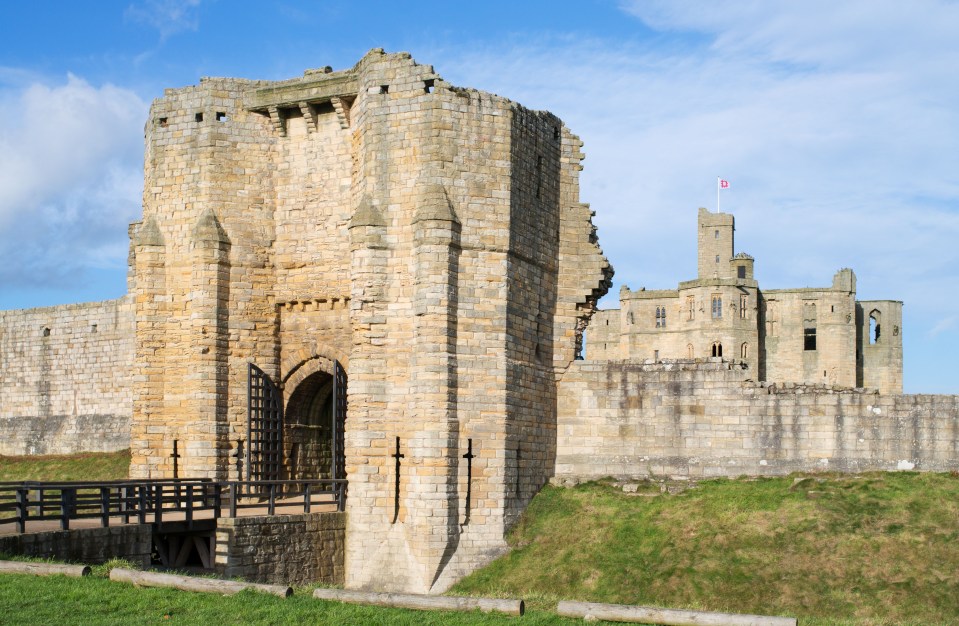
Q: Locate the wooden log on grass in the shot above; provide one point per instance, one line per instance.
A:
(191, 583)
(43, 569)
(421, 602)
(666, 617)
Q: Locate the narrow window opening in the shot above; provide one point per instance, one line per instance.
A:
(717, 307)
(656, 355)
(717, 349)
(689, 350)
(874, 328)
(744, 350)
(742, 306)
(824, 373)
(717, 258)
(221, 116)
(741, 271)
(93, 328)
(384, 88)
(428, 85)
(809, 339)
(690, 308)
(832, 308)
(162, 122)
(556, 133)
(629, 317)
(539, 175)
(716, 235)
(198, 117)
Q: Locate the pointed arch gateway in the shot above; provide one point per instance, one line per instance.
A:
(302, 438)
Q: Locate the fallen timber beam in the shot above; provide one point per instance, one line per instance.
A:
(190, 583)
(43, 569)
(666, 617)
(421, 602)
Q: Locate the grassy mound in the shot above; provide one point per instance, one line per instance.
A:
(89, 466)
(875, 548)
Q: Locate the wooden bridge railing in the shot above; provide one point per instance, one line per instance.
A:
(135, 500)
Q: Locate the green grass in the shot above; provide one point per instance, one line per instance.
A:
(94, 600)
(869, 549)
(87, 467)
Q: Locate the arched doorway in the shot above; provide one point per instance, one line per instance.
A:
(315, 417)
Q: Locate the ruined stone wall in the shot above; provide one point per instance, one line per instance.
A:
(65, 378)
(789, 313)
(282, 549)
(630, 419)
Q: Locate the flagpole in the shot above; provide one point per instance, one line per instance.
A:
(718, 184)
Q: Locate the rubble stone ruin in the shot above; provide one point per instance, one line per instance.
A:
(367, 274)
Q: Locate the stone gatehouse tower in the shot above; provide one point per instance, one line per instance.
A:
(408, 266)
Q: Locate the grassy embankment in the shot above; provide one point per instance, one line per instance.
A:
(91, 466)
(869, 549)
(872, 549)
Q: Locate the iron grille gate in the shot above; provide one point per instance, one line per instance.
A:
(338, 466)
(264, 451)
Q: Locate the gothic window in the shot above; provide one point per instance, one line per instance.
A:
(691, 307)
(717, 349)
(717, 307)
(874, 319)
(744, 350)
(716, 235)
(660, 317)
(742, 306)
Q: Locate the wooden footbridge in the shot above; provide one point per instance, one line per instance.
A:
(182, 512)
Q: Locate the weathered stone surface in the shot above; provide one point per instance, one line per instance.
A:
(630, 420)
(65, 378)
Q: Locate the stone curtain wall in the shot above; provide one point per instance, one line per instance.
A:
(282, 549)
(632, 419)
(65, 378)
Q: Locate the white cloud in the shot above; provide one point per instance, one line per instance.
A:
(70, 179)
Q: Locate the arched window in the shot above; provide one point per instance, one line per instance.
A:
(717, 307)
(660, 317)
(874, 318)
(717, 349)
(689, 351)
(744, 350)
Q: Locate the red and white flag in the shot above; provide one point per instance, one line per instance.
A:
(723, 184)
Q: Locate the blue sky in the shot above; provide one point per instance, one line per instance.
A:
(837, 125)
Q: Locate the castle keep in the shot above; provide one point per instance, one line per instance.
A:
(805, 335)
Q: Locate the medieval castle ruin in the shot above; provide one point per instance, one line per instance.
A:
(375, 275)
(804, 335)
